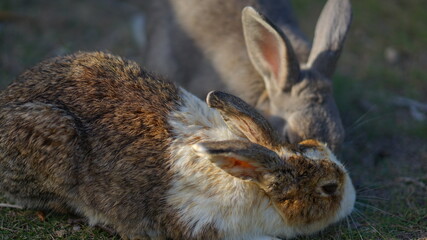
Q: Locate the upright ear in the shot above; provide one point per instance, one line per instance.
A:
(331, 30)
(241, 159)
(270, 52)
(242, 119)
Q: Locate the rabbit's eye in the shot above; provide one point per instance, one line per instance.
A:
(330, 188)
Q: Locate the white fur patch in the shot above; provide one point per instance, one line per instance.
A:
(347, 203)
(205, 195)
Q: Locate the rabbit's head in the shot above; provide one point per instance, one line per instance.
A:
(298, 98)
(306, 184)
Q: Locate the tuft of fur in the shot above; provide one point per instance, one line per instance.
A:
(94, 134)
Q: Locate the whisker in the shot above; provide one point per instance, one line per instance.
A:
(369, 188)
(384, 212)
(348, 225)
(350, 229)
(355, 225)
(373, 208)
(360, 196)
(371, 198)
(369, 223)
(360, 119)
(350, 130)
(341, 227)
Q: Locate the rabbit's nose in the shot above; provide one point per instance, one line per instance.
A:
(277, 123)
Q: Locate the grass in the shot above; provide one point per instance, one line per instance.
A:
(24, 224)
(385, 147)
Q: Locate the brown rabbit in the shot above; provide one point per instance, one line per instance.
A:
(201, 45)
(94, 134)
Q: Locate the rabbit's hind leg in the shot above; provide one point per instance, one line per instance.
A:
(40, 147)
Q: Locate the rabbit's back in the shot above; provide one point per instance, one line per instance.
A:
(88, 132)
(91, 84)
(108, 97)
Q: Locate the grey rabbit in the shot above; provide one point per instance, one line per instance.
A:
(94, 134)
(213, 44)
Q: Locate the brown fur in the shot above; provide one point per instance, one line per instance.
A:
(78, 130)
(242, 119)
(301, 202)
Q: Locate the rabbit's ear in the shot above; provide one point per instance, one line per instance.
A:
(242, 119)
(270, 52)
(242, 159)
(331, 30)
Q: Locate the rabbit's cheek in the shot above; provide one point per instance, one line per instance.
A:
(307, 210)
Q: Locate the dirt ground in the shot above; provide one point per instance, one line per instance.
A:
(380, 87)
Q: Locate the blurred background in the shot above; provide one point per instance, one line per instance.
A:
(380, 87)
